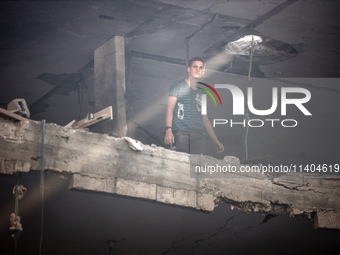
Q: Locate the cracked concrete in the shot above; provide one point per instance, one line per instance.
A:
(107, 164)
(224, 233)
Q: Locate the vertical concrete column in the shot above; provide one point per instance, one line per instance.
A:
(109, 70)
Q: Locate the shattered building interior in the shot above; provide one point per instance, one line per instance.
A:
(52, 57)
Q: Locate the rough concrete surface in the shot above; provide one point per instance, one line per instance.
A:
(98, 162)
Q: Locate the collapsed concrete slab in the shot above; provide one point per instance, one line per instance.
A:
(102, 163)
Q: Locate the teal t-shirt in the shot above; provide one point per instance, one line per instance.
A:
(187, 113)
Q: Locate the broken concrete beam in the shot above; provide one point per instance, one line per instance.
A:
(176, 196)
(92, 183)
(8, 166)
(136, 189)
(329, 220)
(19, 107)
(205, 202)
(158, 174)
(143, 190)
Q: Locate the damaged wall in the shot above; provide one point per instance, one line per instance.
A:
(102, 163)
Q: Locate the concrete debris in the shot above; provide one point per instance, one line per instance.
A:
(114, 135)
(327, 219)
(19, 107)
(243, 45)
(232, 159)
(21, 191)
(102, 163)
(15, 225)
(134, 144)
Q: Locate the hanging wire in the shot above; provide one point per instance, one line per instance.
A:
(16, 211)
(251, 51)
(231, 66)
(246, 135)
(42, 183)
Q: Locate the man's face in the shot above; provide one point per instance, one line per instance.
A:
(196, 70)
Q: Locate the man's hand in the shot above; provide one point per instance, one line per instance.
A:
(219, 146)
(169, 137)
(207, 125)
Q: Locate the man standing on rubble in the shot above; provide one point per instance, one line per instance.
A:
(186, 127)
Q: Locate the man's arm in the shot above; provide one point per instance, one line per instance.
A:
(169, 137)
(208, 127)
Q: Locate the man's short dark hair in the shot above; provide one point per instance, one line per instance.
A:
(195, 59)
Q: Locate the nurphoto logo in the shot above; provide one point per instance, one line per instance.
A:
(239, 105)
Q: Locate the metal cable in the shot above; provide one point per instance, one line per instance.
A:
(16, 211)
(42, 182)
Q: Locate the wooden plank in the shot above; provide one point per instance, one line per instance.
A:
(11, 114)
(97, 117)
(69, 125)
